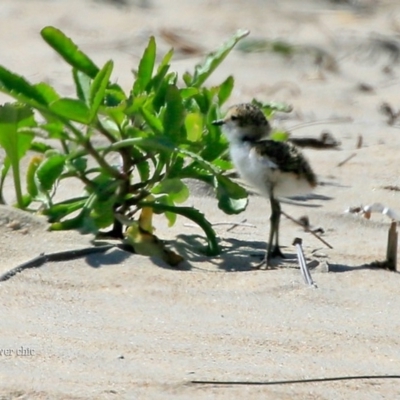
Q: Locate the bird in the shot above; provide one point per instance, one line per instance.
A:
(274, 168)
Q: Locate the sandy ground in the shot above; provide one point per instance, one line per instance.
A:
(120, 326)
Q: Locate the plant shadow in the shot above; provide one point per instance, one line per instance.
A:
(112, 257)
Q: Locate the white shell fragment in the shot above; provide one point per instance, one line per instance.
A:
(374, 208)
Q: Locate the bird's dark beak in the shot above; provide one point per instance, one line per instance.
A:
(218, 122)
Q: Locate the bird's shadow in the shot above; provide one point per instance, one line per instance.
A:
(236, 255)
(310, 197)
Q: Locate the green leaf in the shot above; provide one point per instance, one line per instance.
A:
(55, 129)
(160, 95)
(60, 210)
(195, 216)
(14, 140)
(232, 198)
(174, 114)
(134, 104)
(40, 147)
(165, 61)
(269, 108)
(176, 190)
(50, 95)
(175, 169)
(103, 212)
(82, 222)
(157, 80)
(224, 165)
(142, 167)
(213, 60)
(69, 51)
(4, 171)
(30, 175)
(72, 109)
(207, 166)
(20, 88)
(225, 90)
(161, 144)
(254, 45)
(279, 136)
(194, 126)
(47, 91)
(146, 66)
(187, 93)
(170, 216)
(77, 164)
(152, 121)
(187, 78)
(49, 171)
(98, 88)
(82, 85)
(116, 118)
(115, 96)
(285, 48)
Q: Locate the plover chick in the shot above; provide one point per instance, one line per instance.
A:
(275, 169)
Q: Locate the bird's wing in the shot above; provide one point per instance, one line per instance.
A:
(285, 157)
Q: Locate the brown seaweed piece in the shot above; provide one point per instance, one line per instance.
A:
(325, 141)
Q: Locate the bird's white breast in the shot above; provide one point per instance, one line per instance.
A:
(263, 174)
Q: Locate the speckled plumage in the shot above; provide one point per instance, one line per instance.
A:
(247, 120)
(287, 157)
(275, 169)
(247, 114)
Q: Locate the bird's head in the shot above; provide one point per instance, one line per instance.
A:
(244, 122)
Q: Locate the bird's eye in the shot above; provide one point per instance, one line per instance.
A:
(234, 118)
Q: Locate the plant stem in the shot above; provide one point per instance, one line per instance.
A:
(17, 184)
(64, 146)
(105, 132)
(101, 161)
(86, 143)
(135, 200)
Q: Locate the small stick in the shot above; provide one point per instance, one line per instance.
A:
(346, 159)
(242, 223)
(302, 262)
(307, 229)
(231, 224)
(359, 142)
(391, 252)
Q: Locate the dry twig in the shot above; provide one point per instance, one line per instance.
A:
(346, 160)
(307, 229)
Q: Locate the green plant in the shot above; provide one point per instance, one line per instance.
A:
(131, 151)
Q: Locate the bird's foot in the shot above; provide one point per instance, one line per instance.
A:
(261, 265)
(268, 261)
(276, 252)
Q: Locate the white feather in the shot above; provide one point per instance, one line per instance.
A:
(264, 175)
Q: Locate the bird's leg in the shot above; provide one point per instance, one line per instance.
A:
(273, 249)
(268, 255)
(275, 220)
